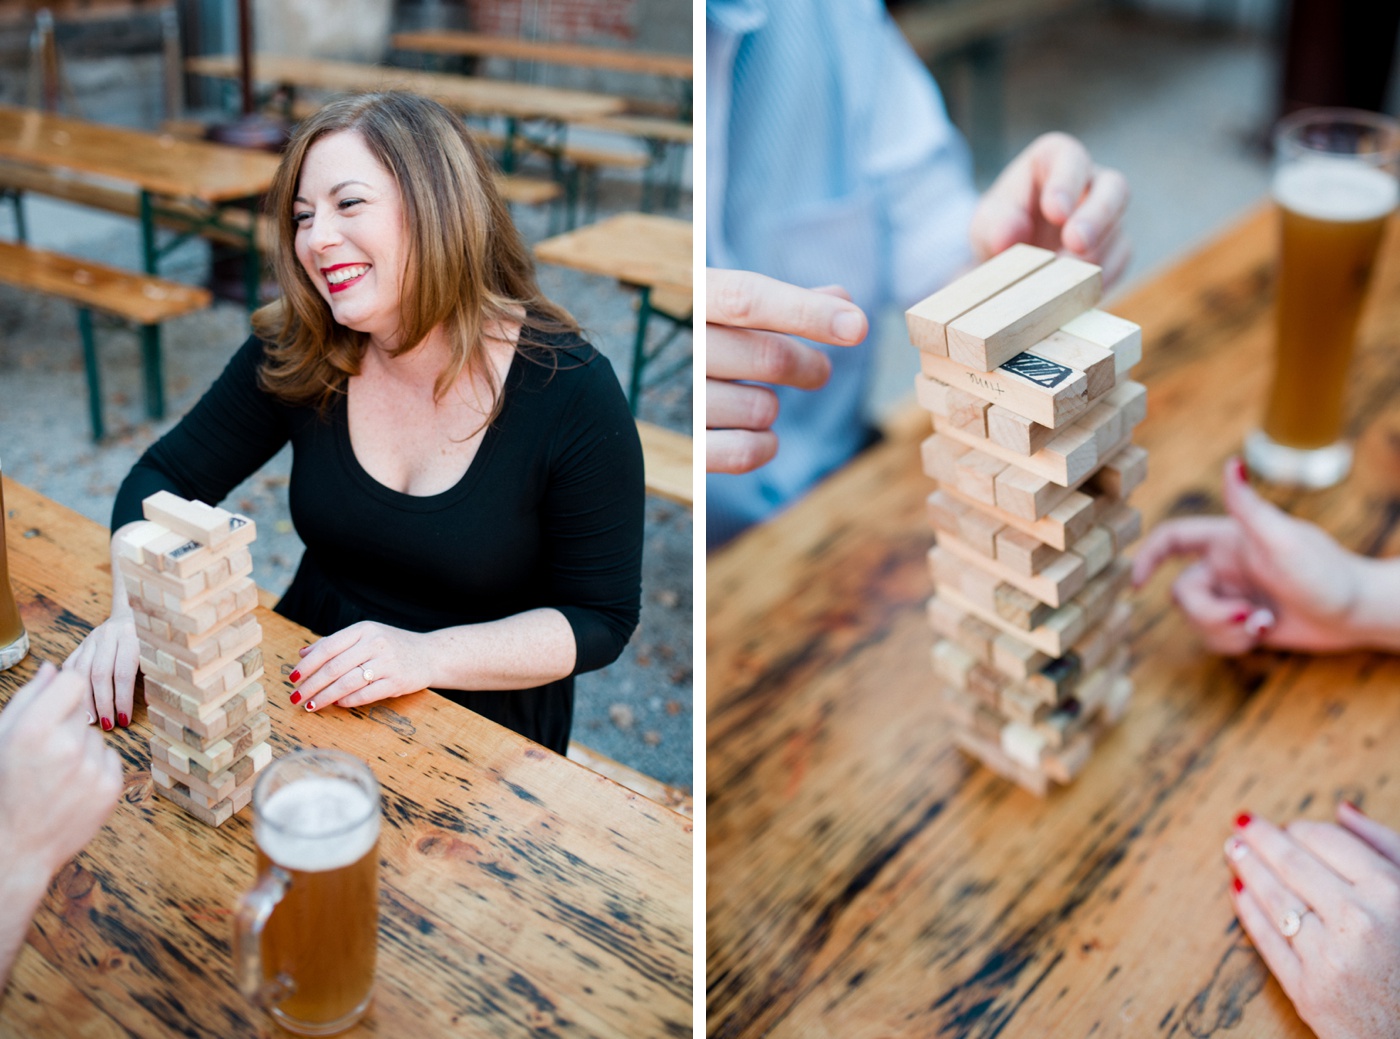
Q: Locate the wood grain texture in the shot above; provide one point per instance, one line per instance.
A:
(638, 248)
(867, 880)
(520, 895)
(550, 52)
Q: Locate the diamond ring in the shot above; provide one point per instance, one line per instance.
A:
(1291, 921)
(367, 674)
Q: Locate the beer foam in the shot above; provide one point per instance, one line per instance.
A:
(1335, 190)
(310, 825)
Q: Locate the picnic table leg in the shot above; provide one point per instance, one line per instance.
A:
(16, 198)
(94, 377)
(150, 363)
(639, 351)
(148, 233)
(508, 148)
(252, 266)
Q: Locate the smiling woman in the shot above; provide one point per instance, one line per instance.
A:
(466, 475)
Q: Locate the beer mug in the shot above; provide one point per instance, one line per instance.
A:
(14, 640)
(305, 936)
(1335, 186)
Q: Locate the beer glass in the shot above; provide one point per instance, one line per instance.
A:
(305, 936)
(1335, 186)
(14, 640)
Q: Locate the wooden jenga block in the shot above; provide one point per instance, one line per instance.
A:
(1041, 390)
(928, 320)
(969, 714)
(206, 786)
(975, 473)
(203, 735)
(1123, 523)
(1098, 644)
(944, 618)
(987, 684)
(1096, 549)
(962, 410)
(1022, 744)
(1066, 523)
(1016, 432)
(945, 512)
(993, 757)
(1122, 473)
(134, 537)
(1070, 456)
(1055, 584)
(979, 530)
(940, 457)
(1056, 680)
(1024, 554)
(180, 794)
(203, 523)
(1067, 763)
(952, 663)
(1105, 422)
(1117, 702)
(1031, 496)
(228, 669)
(1131, 398)
(975, 635)
(1095, 362)
(1015, 606)
(1023, 313)
(1112, 333)
(1016, 659)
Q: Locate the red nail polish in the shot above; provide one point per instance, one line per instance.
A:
(1238, 885)
(1241, 471)
(1240, 617)
(310, 705)
(295, 676)
(1353, 807)
(106, 724)
(1243, 819)
(123, 721)
(296, 698)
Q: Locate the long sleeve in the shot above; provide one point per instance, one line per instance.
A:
(233, 430)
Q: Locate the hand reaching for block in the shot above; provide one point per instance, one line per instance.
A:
(750, 322)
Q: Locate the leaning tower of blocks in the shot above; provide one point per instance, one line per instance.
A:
(1033, 417)
(186, 570)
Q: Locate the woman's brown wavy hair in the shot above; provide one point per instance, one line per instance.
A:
(466, 263)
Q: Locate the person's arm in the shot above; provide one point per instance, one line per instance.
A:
(58, 784)
(593, 522)
(230, 432)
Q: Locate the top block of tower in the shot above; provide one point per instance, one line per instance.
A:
(1023, 314)
(194, 519)
(928, 320)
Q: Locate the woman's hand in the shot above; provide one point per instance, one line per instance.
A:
(1336, 888)
(1262, 577)
(361, 664)
(106, 662)
(1054, 196)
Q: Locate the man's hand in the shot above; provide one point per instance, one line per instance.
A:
(749, 322)
(1054, 196)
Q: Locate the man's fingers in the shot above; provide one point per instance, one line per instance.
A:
(738, 450)
(730, 405)
(742, 299)
(839, 291)
(1098, 215)
(754, 356)
(1189, 536)
(1061, 167)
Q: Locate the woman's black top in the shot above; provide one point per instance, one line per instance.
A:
(549, 514)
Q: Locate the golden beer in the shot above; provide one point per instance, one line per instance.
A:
(14, 643)
(1333, 217)
(317, 837)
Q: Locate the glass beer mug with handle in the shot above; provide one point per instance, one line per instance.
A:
(14, 640)
(1335, 187)
(305, 936)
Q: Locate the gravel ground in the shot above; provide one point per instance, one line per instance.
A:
(638, 711)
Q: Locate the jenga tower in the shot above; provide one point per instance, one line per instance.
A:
(1033, 414)
(186, 572)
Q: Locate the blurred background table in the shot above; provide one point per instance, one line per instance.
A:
(550, 52)
(520, 893)
(865, 878)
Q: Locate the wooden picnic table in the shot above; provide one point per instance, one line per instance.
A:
(466, 95)
(549, 52)
(640, 249)
(520, 893)
(866, 879)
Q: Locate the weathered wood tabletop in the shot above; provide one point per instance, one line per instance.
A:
(521, 894)
(158, 163)
(549, 52)
(638, 248)
(469, 95)
(867, 880)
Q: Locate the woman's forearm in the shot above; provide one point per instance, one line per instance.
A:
(518, 652)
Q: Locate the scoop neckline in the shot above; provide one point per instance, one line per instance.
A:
(416, 502)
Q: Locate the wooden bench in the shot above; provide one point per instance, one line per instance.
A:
(668, 457)
(141, 299)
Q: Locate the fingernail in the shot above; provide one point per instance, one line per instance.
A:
(91, 719)
(1260, 621)
(123, 721)
(1241, 470)
(1240, 617)
(1065, 203)
(1353, 807)
(846, 325)
(1085, 232)
(295, 676)
(1236, 849)
(1243, 819)
(310, 705)
(1238, 885)
(296, 698)
(106, 724)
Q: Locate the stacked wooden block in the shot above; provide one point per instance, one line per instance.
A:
(1033, 414)
(186, 570)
